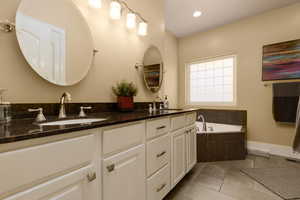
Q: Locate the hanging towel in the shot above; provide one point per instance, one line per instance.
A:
(285, 101)
(296, 145)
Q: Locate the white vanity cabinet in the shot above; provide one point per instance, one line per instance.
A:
(72, 186)
(57, 170)
(178, 155)
(123, 165)
(142, 160)
(191, 147)
(184, 146)
(124, 175)
(158, 158)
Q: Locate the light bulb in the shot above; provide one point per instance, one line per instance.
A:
(143, 28)
(115, 10)
(131, 20)
(95, 3)
(197, 14)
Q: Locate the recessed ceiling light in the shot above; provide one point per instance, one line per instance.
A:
(197, 14)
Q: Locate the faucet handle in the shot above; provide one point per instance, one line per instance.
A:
(161, 106)
(40, 117)
(82, 113)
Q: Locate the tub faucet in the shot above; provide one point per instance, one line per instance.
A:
(201, 118)
(62, 110)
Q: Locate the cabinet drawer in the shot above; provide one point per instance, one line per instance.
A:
(190, 118)
(158, 154)
(178, 122)
(157, 127)
(159, 184)
(117, 139)
(26, 166)
(74, 185)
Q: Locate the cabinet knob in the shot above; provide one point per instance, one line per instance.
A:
(91, 176)
(110, 168)
(161, 187)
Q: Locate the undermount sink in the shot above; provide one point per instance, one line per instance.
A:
(72, 122)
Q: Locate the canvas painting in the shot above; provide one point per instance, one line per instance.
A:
(281, 61)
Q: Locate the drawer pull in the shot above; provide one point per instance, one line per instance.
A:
(161, 188)
(110, 168)
(161, 154)
(91, 176)
(161, 127)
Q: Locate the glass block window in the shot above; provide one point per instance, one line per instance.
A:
(212, 81)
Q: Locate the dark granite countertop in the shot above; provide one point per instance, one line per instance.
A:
(24, 129)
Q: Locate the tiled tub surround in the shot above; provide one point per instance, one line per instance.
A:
(235, 117)
(221, 144)
(22, 129)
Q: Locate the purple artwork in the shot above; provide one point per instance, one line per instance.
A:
(281, 61)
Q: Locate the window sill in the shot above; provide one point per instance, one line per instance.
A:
(203, 104)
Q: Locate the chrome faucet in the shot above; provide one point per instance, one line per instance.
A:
(201, 117)
(154, 103)
(62, 110)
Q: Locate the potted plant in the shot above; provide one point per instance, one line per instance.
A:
(125, 91)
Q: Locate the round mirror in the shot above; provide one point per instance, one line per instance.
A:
(55, 40)
(153, 69)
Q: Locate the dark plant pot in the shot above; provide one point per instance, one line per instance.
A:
(125, 104)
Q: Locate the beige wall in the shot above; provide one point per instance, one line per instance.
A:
(119, 51)
(171, 69)
(245, 38)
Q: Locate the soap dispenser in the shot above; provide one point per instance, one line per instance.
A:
(166, 102)
(5, 109)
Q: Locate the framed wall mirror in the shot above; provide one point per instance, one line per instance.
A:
(153, 69)
(55, 40)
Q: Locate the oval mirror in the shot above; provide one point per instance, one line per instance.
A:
(153, 69)
(55, 40)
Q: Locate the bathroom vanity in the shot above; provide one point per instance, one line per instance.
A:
(133, 156)
(108, 156)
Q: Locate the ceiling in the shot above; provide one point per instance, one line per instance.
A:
(180, 20)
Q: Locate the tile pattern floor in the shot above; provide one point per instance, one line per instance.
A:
(225, 181)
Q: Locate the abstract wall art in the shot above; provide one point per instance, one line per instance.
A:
(281, 61)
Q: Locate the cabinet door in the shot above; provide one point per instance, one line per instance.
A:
(191, 144)
(77, 185)
(124, 175)
(178, 156)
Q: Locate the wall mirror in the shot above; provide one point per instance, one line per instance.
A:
(153, 69)
(55, 40)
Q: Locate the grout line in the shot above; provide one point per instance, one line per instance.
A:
(222, 185)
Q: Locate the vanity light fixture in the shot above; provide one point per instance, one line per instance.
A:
(131, 20)
(95, 3)
(115, 10)
(143, 29)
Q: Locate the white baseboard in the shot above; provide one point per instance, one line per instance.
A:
(272, 149)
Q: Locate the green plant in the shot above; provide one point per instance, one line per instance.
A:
(125, 89)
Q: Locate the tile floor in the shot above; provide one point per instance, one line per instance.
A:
(225, 181)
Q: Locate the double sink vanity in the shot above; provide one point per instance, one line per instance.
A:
(108, 156)
(105, 156)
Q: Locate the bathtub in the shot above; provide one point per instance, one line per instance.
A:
(213, 128)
